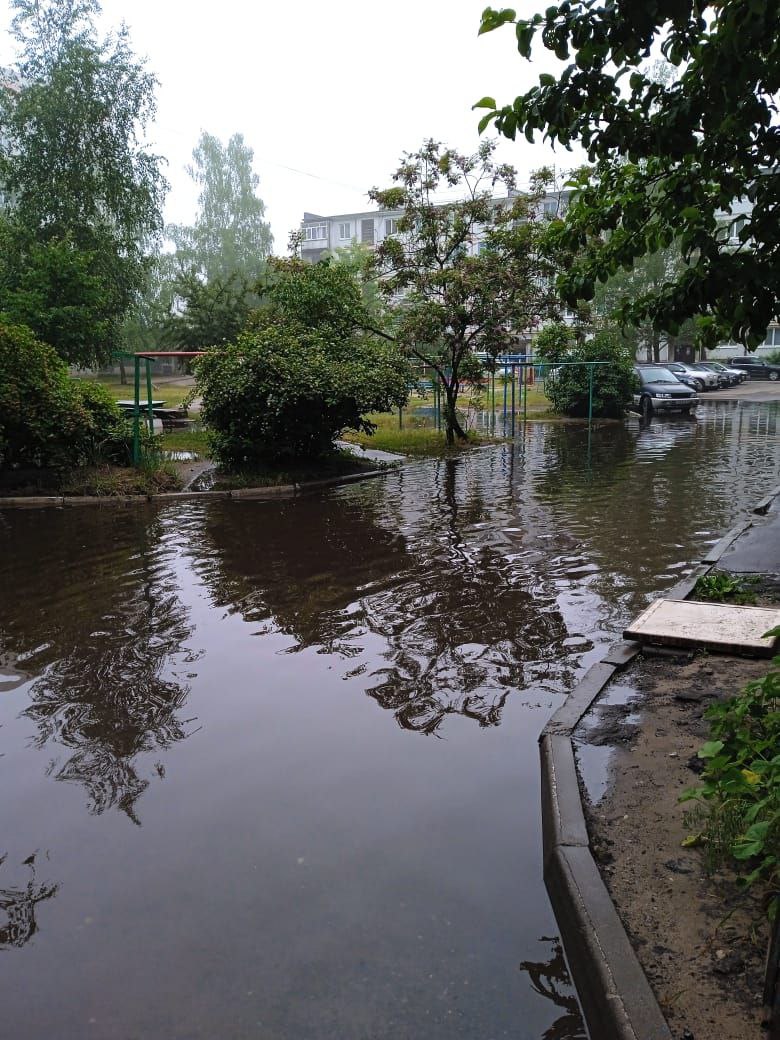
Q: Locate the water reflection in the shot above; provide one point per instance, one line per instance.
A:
(550, 979)
(105, 654)
(459, 623)
(17, 906)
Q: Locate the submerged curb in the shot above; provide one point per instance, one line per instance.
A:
(616, 997)
(271, 491)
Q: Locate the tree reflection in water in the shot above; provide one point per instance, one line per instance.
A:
(460, 621)
(17, 907)
(105, 649)
(550, 979)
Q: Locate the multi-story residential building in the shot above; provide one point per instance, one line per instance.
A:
(325, 234)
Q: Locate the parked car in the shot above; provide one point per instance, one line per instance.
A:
(661, 391)
(756, 368)
(735, 375)
(699, 379)
(724, 380)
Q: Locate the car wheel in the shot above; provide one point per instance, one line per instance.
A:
(646, 407)
(774, 376)
(699, 384)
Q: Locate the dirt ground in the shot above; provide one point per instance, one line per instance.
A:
(700, 939)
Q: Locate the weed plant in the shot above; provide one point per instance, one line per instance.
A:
(737, 802)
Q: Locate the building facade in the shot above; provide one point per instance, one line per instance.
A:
(321, 235)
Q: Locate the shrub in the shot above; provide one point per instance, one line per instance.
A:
(739, 795)
(285, 391)
(567, 387)
(47, 418)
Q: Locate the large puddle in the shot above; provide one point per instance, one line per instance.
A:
(269, 770)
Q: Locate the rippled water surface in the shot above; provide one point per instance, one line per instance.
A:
(269, 769)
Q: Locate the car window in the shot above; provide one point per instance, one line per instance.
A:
(658, 375)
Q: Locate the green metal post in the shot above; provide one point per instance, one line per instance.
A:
(137, 413)
(505, 393)
(149, 393)
(525, 392)
(514, 376)
(590, 393)
(493, 402)
(400, 418)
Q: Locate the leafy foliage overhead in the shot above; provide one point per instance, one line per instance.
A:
(670, 158)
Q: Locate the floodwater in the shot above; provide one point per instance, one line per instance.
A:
(269, 769)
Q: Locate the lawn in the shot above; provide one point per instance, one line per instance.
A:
(169, 389)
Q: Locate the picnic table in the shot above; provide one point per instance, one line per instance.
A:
(144, 405)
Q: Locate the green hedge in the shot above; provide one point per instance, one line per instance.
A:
(48, 419)
(284, 391)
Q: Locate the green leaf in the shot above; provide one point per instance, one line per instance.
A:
(711, 748)
(485, 102)
(547, 80)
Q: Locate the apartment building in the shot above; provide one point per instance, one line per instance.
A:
(323, 234)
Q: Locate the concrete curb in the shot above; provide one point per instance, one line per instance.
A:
(615, 995)
(268, 492)
(616, 998)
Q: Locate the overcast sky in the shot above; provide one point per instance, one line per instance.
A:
(329, 95)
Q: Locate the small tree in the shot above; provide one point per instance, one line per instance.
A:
(568, 386)
(304, 370)
(462, 277)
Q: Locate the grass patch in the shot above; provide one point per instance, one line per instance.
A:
(335, 464)
(418, 436)
(108, 481)
(187, 440)
(171, 393)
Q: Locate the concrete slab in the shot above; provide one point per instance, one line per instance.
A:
(708, 626)
(757, 549)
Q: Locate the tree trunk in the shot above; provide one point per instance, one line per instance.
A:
(656, 347)
(122, 373)
(453, 427)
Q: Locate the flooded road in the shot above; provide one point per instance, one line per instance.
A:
(270, 770)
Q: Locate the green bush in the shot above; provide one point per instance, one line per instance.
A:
(285, 391)
(567, 386)
(738, 814)
(48, 419)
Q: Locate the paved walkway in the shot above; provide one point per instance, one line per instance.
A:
(757, 550)
(758, 390)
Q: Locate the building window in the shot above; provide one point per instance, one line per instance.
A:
(772, 338)
(550, 207)
(737, 227)
(391, 226)
(315, 233)
(367, 232)
(345, 231)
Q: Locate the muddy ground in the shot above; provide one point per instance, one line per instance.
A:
(700, 939)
